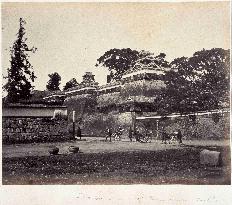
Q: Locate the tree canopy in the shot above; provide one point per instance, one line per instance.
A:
(54, 82)
(70, 84)
(20, 74)
(118, 61)
(148, 59)
(212, 69)
(200, 82)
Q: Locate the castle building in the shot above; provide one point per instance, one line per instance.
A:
(119, 104)
(139, 86)
(87, 86)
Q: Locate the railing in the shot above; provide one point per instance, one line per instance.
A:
(184, 115)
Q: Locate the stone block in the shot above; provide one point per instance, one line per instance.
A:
(4, 125)
(28, 130)
(22, 138)
(29, 138)
(13, 125)
(8, 130)
(17, 130)
(211, 158)
(6, 139)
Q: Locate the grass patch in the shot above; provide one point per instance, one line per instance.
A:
(172, 166)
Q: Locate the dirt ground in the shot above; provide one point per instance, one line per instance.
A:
(116, 162)
(99, 145)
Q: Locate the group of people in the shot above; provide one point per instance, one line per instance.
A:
(116, 135)
(165, 136)
(109, 134)
(174, 136)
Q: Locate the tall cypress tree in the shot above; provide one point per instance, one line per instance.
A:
(20, 74)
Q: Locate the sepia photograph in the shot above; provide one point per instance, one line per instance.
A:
(116, 93)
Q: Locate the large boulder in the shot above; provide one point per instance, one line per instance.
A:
(211, 158)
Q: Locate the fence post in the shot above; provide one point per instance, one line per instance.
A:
(73, 124)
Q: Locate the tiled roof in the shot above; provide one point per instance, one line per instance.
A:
(83, 85)
(111, 84)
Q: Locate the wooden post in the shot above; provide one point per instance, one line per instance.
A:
(133, 121)
(73, 124)
(157, 129)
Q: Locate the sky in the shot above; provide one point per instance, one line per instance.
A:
(70, 37)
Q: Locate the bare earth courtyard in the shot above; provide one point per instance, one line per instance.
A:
(116, 162)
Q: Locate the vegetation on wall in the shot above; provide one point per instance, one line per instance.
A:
(140, 88)
(83, 104)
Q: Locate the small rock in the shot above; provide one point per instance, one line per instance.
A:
(53, 150)
(73, 149)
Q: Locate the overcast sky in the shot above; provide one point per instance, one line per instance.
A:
(71, 36)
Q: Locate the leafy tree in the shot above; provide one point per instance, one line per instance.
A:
(54, 82)
(180, 86)
(148, 59)
(197, 83)
(70, 84)
(212, 68)
(118, 61)
(20, 74)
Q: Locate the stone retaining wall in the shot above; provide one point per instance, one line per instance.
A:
(33, 129)
(204, 127)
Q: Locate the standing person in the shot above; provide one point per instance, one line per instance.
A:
(179, 136)
(130, 134)
(164, 137)
(79, 132)
(136, 136)
(108, 134)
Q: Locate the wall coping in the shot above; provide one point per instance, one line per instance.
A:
(32, 106)
(23, 117)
